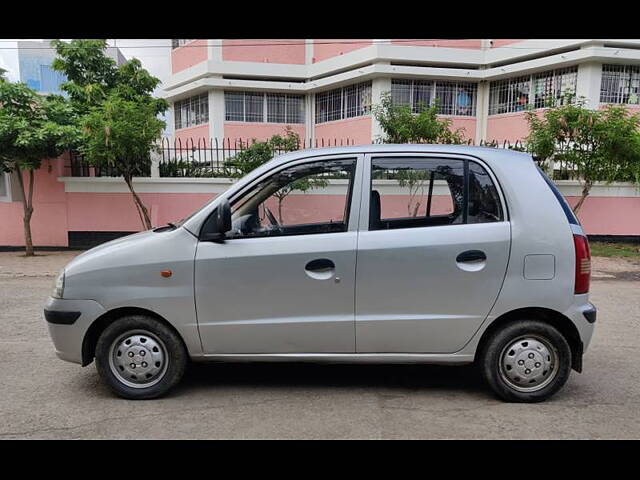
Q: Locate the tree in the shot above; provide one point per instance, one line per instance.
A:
(597, 145)
(259, 153)
(120, 134)
(401, 125)
(115, 106)
(32, 128)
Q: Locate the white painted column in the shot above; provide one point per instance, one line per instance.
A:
(309, 118)
(216, 114)
(482, 111)
(378, 86)
(588, 83)
(308, 51)
(214, 50)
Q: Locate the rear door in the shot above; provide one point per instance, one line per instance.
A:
(432, 252)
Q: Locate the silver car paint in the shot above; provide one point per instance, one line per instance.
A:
(125, 273)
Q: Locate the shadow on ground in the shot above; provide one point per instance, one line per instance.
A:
(201, 376)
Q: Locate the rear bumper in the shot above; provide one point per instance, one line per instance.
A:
(583, 315)
(68, 322)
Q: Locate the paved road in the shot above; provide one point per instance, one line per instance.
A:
(43, 397)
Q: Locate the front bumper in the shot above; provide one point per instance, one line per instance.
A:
(68, 322)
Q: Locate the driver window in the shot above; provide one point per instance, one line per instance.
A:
(300, 200)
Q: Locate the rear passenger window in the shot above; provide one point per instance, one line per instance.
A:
(412, 192)
(417, 192)
(484, 202)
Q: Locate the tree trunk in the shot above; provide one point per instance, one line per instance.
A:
(142, 210)
(586, 188)
(27, 207)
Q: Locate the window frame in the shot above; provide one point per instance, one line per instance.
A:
(353, 201)
(361, 108)
(197, 104)
(367, 186)
(418, 88)
(289, 101)
(553, 77)
(625, 76)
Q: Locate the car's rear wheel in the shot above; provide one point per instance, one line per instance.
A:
(139, 357)
(526, 361)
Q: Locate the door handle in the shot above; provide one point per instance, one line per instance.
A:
(320, 265)
(471, 256)
(321, 269)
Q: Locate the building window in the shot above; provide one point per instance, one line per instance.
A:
(263, 107)
(620, 84)
(175, 43)
(541, 90)
(341, 103)
(453, 98)
(191, 111)
(4, 187)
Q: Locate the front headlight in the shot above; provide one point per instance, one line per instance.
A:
(58, 290)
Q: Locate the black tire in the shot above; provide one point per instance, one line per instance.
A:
(490, 361)
(166, 378)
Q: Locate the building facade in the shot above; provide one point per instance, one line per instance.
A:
(324, 89)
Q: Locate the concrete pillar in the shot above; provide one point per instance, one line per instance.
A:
(482, 111)
(309, 118)
(214, 50)
(588, 83)
(308, 51)
(155, 163)
(378, 86)
(216, 114)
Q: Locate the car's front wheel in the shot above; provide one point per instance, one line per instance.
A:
(526, 361)
(140, 358)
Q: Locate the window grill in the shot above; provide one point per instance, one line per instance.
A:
(191, 111)
(264, 107)
(620, 84)
(175, 43)
(253, 107)
(541, 90)
(454, 98)
(341, 103)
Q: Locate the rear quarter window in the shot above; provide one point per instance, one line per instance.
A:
(571, 218)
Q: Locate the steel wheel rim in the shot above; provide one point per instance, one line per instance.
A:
(529, 363)
(138, 359)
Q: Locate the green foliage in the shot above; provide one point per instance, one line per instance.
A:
(401, 125)
(120, 134)
(117, 111)
(259, 153)
(33, 127)
(597, 145)
(93, 76)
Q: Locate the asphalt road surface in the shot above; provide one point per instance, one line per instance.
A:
(43, 397)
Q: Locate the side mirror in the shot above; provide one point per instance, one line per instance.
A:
(222, 222)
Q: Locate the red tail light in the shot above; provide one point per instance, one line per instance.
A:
(583, 264)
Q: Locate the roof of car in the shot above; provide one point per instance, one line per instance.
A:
(488, 154)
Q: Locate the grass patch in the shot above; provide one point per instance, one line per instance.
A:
(609, 249)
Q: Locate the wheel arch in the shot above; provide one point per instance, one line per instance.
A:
(98, 326)
(552, 317)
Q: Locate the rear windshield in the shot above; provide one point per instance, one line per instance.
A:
(563, 203)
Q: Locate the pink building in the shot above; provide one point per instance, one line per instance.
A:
(324, 89)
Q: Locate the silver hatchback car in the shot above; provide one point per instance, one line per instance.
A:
(381, 253)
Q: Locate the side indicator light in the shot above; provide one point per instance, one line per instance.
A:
(166, 273)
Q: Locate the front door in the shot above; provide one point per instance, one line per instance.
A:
(432, 253)
(284, 279)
